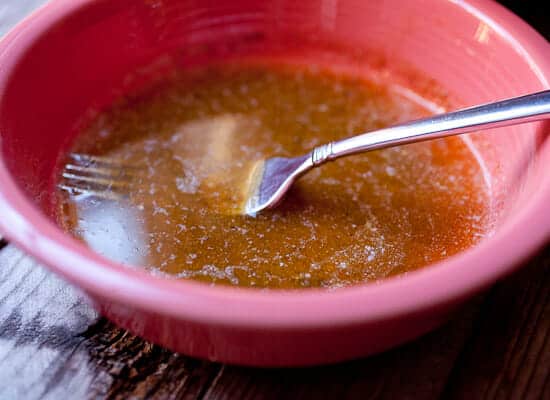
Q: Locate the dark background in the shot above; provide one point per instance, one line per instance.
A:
(532, 11)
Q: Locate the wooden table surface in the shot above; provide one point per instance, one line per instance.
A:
(54, 346)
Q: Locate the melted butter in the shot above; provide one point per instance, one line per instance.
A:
(163, 181)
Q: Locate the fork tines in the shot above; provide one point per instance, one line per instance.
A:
(99, 176)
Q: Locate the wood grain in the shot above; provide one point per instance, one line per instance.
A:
(40, 322)
(52, 344)
(509, 354)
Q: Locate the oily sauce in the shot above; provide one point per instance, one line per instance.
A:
(155, 181)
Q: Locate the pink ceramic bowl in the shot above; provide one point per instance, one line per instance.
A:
(72, 54)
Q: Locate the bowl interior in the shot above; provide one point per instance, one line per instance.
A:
(60, 73)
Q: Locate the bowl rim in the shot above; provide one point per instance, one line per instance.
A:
(436, 285)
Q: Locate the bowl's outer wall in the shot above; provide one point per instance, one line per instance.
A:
(76, 54)
(274, 347)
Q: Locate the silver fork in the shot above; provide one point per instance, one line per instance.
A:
(272, 178)
(99, 176)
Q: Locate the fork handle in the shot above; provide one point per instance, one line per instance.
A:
(512, 111)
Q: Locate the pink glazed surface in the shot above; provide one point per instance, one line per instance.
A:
(74, 53)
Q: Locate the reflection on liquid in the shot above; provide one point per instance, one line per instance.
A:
(218, 160)
(186, 149)
(482, 33)
(112, 228)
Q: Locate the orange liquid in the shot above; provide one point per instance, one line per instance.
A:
(168, 169)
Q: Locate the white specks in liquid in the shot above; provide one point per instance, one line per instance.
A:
(359, 219)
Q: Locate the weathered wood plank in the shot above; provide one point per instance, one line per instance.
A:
(509, 355)
(418, 370)
(40, 319)
(54, 345)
